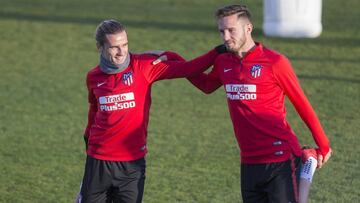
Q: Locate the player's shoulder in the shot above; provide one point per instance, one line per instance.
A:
(152, 57)
(279, 63)
(93, 75)
(143, 57)
(273, 56)
(93, 72)
(142, 60)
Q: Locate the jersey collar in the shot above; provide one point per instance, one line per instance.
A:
(254, 52)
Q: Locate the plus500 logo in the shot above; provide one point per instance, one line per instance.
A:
(240, 91)
(117, 102)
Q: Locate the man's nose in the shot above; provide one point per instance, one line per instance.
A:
(226, 35)
(119, 51)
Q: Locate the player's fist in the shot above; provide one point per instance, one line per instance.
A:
(322, 160)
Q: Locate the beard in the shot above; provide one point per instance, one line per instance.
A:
(236, 46)
(233, 50)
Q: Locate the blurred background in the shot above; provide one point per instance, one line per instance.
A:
(47, 47)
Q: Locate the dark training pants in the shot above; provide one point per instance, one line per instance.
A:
(271, 182)
(113, 181)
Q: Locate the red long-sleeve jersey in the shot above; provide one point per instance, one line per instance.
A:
(120, 103)
(255, 87)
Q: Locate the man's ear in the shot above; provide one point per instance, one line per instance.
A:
(99, 47)
(249, 28)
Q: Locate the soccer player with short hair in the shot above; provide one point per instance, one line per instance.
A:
(256, 80)
(120, 97)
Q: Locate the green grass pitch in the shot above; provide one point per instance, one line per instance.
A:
(47, 46)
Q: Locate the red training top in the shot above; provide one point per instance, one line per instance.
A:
(255, 87)
(120, 103)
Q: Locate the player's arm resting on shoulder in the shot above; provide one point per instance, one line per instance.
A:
(172, 56)
(176, 68)
(154, 52)
(191, 67)
(158, 68)
(202, 81)
(208, 82)
(288, 81)
(164, 56)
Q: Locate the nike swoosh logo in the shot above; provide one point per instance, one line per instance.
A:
(99, 84)
(227, 70)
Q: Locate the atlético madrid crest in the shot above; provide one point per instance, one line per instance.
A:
(256, 71)
(127, 78)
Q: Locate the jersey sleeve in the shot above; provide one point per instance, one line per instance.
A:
(177, 67)
(207, 83)
(288, 81)
(92, 107)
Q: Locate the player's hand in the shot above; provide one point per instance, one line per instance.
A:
(321, 160)
(160, 59)
(221, 49)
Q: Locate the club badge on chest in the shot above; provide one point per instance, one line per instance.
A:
(127, 78)
(256, 71)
